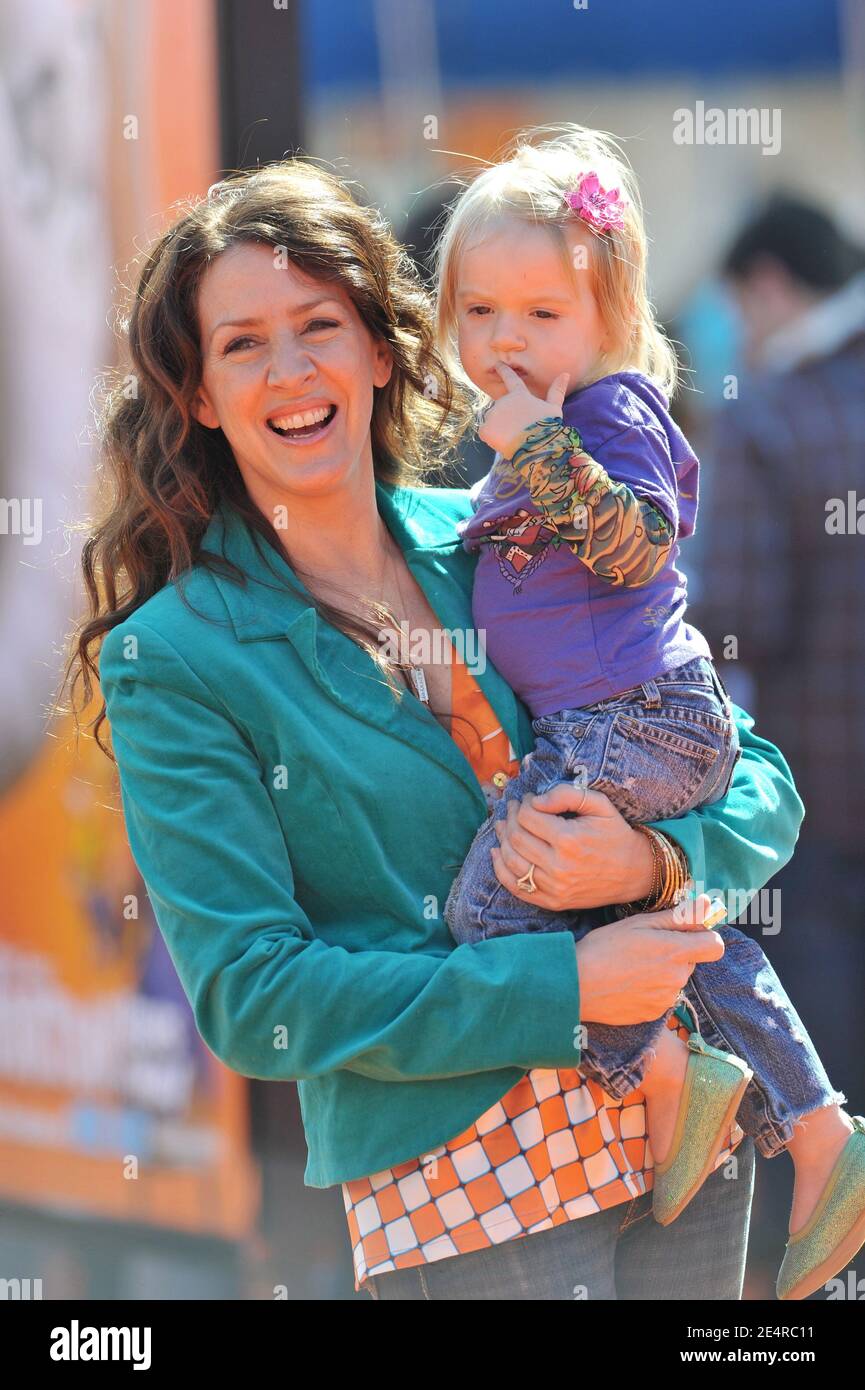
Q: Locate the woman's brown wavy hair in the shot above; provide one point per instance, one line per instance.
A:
(167, 473)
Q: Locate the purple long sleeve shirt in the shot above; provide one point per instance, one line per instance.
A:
(561, 636)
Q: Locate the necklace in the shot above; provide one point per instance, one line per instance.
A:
(414, 668)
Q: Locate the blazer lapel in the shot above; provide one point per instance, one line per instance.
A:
(278, 606)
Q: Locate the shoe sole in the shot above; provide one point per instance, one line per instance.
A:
(723, 1130)
(840, 1257)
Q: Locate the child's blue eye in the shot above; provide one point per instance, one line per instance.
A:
(546, 313)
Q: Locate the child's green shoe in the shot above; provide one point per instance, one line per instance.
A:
(836, 1229)
(712, 1092)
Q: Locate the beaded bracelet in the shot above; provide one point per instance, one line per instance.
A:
(670, 875)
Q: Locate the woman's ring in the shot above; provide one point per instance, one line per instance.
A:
(584, 789)
(527, 882)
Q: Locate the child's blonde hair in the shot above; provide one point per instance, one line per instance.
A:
(530, 184)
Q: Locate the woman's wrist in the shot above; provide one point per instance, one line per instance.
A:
(661, 872)
(641, 868)
(679, 875)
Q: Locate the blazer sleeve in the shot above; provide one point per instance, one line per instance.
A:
(270, 999)
(738, 843)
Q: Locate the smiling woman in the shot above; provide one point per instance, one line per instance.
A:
(301, 377)
(275, 297)
(298, 814)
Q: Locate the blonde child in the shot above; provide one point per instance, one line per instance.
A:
(542, 292)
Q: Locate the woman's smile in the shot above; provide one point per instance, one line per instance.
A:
(306, 426)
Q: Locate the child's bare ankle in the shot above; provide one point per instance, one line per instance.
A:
(668, 1065)
(822, 1129)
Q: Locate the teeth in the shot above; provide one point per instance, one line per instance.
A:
(296, 422)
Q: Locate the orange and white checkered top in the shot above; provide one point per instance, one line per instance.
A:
(554, 1148)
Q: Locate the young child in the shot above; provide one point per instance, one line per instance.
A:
(542, 289)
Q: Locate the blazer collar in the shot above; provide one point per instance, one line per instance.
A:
(276, 605)
(264, 608)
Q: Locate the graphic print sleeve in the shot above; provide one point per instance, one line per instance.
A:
(623, 539)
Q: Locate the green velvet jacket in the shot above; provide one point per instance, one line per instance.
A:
(298, 829)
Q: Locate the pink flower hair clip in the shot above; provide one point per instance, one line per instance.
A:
(601, 208)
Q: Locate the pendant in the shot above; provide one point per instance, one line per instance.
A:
(419, 682)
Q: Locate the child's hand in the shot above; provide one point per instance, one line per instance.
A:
(508, 418)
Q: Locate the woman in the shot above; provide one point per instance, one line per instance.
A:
(298, 814)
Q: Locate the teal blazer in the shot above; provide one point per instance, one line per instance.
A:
(298, 831)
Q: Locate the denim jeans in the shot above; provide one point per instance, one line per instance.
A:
(657, 751)
(620, 1253)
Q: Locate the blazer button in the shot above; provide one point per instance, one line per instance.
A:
(500, 779)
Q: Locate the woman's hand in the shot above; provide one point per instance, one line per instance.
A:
(632, 971)
(591, 861)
